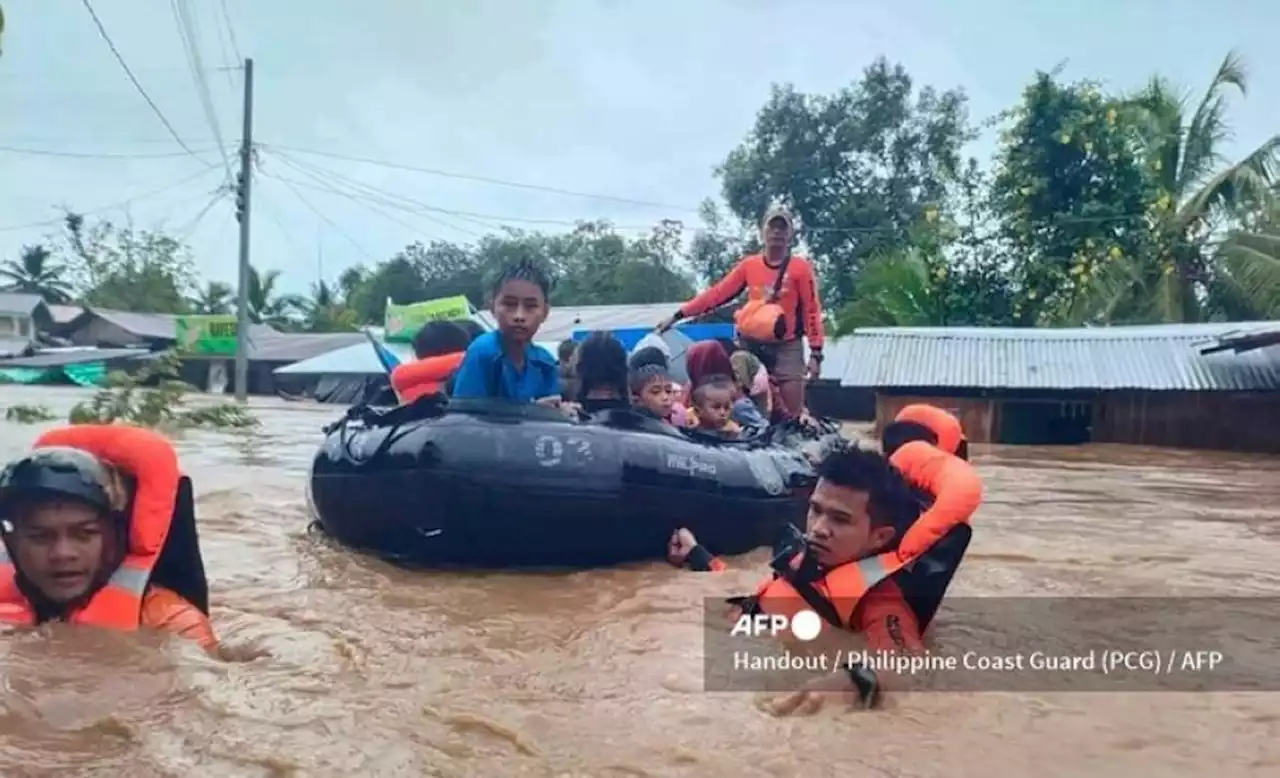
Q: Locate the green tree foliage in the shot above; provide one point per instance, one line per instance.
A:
(1072, 194)
(213, 298)
(127, 269)
(37, 272)
(269, 307)
(861, 167)
(325, 311)
(590, 265)
(1208, 260)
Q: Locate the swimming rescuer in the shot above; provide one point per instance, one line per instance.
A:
(87, 518)
(871, 562)
(439, 348)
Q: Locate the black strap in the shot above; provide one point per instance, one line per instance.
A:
(777, 282)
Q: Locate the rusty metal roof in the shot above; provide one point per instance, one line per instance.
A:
(1155, 357)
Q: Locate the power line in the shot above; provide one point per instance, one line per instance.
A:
(112, 206)
(95, 155)
(125, 67)
(374, 194)
(486, 179)
(187, 33)
(231, 31)
(325, 219)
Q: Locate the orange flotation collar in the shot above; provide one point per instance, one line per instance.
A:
(943, 425)
(412, 380)
(835, 597)
(151, 460)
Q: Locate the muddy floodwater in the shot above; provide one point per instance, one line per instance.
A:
(347, 666)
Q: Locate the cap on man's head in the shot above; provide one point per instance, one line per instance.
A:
(778, 211)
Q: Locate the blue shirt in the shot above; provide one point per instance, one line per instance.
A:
(747, 414)
(486, 371)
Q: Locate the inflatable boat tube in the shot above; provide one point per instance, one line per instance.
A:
(488, 484)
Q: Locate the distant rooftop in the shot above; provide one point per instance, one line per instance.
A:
(1150, 357)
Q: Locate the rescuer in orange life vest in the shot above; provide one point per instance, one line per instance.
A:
(871, 562)
(99, 530)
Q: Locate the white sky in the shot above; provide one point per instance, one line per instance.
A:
(638, 100)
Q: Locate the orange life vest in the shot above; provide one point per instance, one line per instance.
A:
(942, 530)
(151, 460)
(946, 427)
(412, 380)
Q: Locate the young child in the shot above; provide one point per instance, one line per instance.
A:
(713, 406)
(439, 347)
(649, 375)
(506, 364)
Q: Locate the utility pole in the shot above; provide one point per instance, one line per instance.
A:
(243, 189)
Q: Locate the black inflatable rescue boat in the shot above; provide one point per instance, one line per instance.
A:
(490, 484)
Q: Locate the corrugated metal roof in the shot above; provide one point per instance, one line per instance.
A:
(295, 347)
(360, 359)
(1155, 357)
(65, 314)
(565, 319)
(1240, 342)
(19, 302)
(11, 346)
(160, 326)
(76, 357)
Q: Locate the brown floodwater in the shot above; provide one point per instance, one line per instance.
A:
(344, 665)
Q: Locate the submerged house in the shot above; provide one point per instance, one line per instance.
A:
(1150, 385)
(22, 317)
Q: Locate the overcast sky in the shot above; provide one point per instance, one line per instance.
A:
(634, 99)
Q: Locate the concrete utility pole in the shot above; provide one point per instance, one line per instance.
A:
(243, 189)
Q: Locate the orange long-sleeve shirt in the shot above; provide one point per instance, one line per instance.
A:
(883, 616)
(798, 296)
(165, 611)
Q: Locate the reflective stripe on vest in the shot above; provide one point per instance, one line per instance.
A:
(117, 605)
(151, 460)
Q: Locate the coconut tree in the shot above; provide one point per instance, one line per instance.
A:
(1201, 198)
(324, 311)
(1248, 286)
(35, 272)
(268, 307)
(215, 298)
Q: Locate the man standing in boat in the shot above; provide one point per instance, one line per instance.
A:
(782, 308)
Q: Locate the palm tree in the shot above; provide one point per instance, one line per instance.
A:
(267, 307)
(893, 291)
(1249, 286)
(1198, 203)
(34, 273)
(325, 312)
(215, 298)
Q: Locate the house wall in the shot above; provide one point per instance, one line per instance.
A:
(977, 415)
(15, 325)
(1228, 421)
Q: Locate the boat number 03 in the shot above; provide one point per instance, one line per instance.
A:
(552, 451)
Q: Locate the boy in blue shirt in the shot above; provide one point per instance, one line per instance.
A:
(506, 364)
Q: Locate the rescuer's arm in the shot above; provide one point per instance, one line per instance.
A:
(722, 292)
(887, 621)
(683, 550)
(165, 611)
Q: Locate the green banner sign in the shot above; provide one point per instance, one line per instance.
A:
(213, 336)
(404, 321)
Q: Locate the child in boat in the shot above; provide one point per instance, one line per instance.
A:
(506, 364)
(649, 374)
(712, 409)
(601, 367)
(439, 347)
